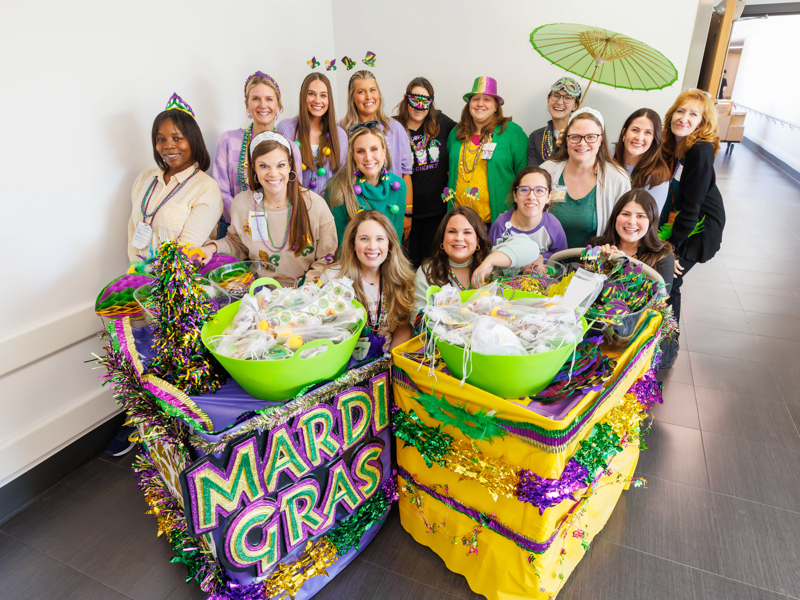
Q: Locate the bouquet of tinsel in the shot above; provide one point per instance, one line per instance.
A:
(181, 358)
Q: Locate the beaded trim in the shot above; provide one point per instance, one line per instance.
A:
(243, 160)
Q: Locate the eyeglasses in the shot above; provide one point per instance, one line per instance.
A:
(574, 138)
(356, 126)
(539, 192)
(705, 93)
(565, 98)
(419, 101)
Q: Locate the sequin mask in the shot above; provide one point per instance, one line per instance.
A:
(419, 102)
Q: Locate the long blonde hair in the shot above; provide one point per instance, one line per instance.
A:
(269, 82)
(340, 188)
(397, 276)
(705, 132)
(352, 117)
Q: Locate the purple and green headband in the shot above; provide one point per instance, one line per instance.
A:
(265, 76)
(177, 103)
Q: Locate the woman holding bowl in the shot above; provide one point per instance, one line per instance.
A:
(277, 221)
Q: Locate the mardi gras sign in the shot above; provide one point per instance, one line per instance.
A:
(272, 490)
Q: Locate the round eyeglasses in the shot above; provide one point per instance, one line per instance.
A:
(539, 192)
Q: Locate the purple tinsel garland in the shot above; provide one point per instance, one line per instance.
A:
(544, 493)
(647, 390)
(488, 521)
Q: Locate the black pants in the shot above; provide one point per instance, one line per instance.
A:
(420, 240)
(675, 295)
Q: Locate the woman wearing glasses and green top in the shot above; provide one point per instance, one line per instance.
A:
(563, 99)
(428, 129)
(586, 180)
(486, 152)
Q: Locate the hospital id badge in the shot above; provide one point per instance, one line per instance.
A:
(678, 172)
(258, 226)
(559, 193)
(142, 236)
(488, 150)
(362, 348)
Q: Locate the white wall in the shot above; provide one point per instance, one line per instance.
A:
(470, 38)
(768, 81)
(82, 82)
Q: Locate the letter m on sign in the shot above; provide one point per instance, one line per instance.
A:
(210, 492)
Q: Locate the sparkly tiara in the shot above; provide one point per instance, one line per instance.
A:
(177, 103)
(591, 111)
(266, 136)
(265, 76)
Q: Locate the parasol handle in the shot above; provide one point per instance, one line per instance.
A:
(597, 63)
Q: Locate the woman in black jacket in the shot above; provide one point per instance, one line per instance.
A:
(693, 216)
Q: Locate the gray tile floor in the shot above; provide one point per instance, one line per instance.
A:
(719, 519)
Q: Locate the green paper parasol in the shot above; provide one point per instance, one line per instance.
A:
(603, 56)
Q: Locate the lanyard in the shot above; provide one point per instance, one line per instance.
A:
(149, 193)
(376, 323)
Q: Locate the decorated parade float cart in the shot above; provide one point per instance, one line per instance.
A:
(269, 482)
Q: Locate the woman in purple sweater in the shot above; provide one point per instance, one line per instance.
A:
(262, 102)
(322, 143)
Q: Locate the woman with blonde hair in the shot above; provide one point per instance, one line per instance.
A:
(365, 104)
(366, 182)
(693, 216)
(487, 150)
(587, 182)
(231, 171)
(383, 281)
(323, 144)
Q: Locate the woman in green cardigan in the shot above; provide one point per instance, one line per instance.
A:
(486, 152)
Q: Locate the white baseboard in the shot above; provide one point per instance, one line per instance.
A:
(37, 443)
(23, 347)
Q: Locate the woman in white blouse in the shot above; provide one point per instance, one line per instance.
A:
(176, 200)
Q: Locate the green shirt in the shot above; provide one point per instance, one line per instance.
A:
(578, 217)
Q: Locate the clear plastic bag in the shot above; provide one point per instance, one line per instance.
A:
(273, 324)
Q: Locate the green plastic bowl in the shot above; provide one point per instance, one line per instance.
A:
(507, 376)
(280, 380)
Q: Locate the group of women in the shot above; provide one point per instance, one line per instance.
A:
(368, 196)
